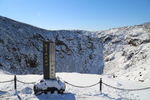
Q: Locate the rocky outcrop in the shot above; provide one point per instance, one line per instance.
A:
(21, 49)
(127, 52)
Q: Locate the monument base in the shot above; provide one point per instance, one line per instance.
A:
(49, 86)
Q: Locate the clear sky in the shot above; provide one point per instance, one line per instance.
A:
(77, 14)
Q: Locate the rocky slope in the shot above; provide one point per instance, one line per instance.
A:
(21, 49)
(125, 52)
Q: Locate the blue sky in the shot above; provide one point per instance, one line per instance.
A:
(77, 14)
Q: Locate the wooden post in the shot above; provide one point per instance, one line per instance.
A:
(15, 83)
(100, 88)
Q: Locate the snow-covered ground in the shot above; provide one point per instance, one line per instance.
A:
(25, 91)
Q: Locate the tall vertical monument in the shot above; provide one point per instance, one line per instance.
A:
(49, 60)
(50, 83)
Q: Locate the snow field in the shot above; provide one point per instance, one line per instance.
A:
(25, 91)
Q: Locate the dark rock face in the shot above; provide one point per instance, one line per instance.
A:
(21, 49)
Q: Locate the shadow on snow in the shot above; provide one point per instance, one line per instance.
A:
(66, 96)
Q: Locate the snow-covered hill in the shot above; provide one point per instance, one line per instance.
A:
(21, 49)
(125, 52)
